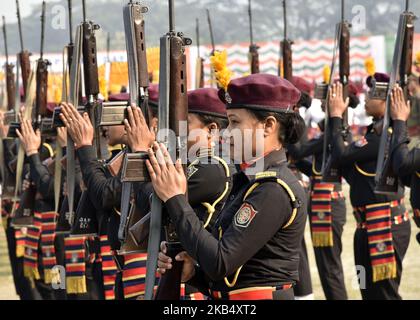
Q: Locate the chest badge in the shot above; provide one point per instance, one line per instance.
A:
(244, 215)
(361, 143)
(190, 171)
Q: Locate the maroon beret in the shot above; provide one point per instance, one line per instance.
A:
(379, 77)
(263, 92)
(302, 84)
(206, 101)
(119, 97)
(153, 95)
(354, 89)
(51, 106)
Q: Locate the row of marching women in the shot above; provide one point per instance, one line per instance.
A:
(173, 194)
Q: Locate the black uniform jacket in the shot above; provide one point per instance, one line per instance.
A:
(358, 162)
(247, 234)
(405, 162)
(104, 192)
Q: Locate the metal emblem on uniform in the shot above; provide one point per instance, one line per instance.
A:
(191, 170)
(244, 215)
(29, 251)
(361, 143)
(321, 215)
(74, 257)
(381, 246)
(48, 253)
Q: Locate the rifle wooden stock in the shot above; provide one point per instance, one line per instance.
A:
(139, 231)
(89, 59)
(10, 86)
(25, 65)
(112, 114)
(134, 168)
(286, 46)
(140, 41)
(254, 59)
(24, 215)
(41, 88)
(114, 166)
(130, 245)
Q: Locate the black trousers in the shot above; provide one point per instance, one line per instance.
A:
(304, 286)
(385, 289)
(328, 259)
(22, 285)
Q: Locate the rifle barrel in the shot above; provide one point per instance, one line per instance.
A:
(407, 5)
(171, 16)
(198, 36)
(70, 22)
(211, 30)
(108, 45)
(5, 40)
(84, 10)
(250, 22)
(19, 25)
(342, 10)
(285, 19)
(42, 29)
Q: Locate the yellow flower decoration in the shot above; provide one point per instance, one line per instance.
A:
(417, 62)
(221, 71)
(370, 66)
(326, 73)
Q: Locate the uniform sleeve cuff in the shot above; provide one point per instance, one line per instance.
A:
(35, 159)
(336, 123)
(176, 205)
(86, 154)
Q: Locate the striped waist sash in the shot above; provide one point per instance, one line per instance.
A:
(30, 258)
(75, 252)
(109, 268)
(47, 244)
(378, 224)
(321, 214)
(252, 293)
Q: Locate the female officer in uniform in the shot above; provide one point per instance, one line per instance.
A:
(406, 163)
(253, 251)
(383, 229)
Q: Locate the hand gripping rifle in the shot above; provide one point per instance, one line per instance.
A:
(387, 181)
(286, 50)
(330, 173)
(134, 165)
(199, 67)
(253, 48)
(173, 115)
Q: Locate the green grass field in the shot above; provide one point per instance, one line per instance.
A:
(409, 289)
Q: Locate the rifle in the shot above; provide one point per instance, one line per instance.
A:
(41, 78)
(173, 113)
(330, 173)
(199, 67)
(253, 48)
(213, 46)
(286, 50)
(23, 55)
(10, 76)
(138, 76)
(90, 73)
(387, 181)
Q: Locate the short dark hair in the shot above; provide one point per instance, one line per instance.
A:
(222, 123)
(292, 124)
